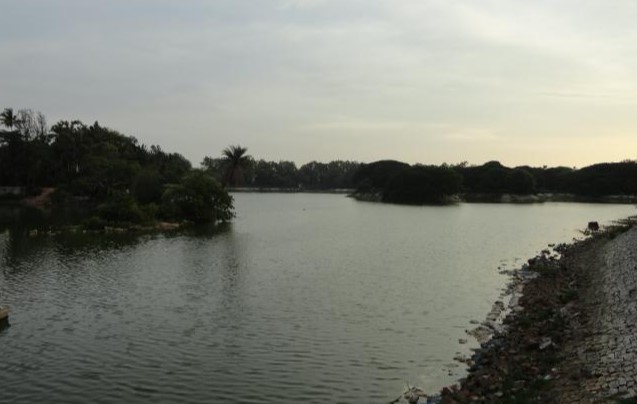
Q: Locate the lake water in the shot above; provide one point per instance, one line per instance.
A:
(303, 298)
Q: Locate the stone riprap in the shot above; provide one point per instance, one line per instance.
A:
(602, 351)
(570, 336)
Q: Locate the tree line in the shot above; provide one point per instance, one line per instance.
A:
(395, 181)
(261, 174)
(400, 182)
(130, 182)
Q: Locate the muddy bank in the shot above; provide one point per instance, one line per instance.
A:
(570, 337)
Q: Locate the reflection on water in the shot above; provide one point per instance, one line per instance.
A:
(312, 298)
(18, 241)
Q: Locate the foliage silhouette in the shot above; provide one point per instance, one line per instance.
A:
(97, 165)
(122, 180)
(235, 161)
(193, 198)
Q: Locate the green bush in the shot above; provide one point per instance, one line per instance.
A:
(95, 223)
(198, 198)
(147, 186)
(150, 211)
(120, 208)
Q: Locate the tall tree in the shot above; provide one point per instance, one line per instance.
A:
(8, 118)
(236, 160)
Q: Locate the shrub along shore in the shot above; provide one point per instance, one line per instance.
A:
(570, 336)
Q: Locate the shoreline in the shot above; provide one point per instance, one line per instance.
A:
(568, 332)
(274, 190)
(508, 198)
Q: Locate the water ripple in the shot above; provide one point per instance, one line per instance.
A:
(343, 305)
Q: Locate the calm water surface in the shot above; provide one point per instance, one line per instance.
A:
(304, 298)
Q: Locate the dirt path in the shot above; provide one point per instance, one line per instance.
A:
(40, 200)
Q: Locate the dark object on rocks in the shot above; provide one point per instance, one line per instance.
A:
(4, 312)
(4, 317)
(593, 226)
(412, 395)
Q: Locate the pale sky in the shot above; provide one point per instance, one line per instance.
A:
(542, 82)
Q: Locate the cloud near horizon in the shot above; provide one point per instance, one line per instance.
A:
(431, 81)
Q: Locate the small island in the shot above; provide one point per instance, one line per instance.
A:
(112, 180)
(397, 182)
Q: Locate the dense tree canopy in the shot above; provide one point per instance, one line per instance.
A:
(605, 179)
(194, 196)
(494, 178)
(422, 184)
(399, 182)
(377, 175)
(124, 179)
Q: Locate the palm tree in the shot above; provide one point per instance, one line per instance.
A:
(236, 160)
(8, 118)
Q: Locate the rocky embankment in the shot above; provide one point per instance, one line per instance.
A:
(570, 336)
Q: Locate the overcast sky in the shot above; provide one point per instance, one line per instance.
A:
(542, 82)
